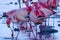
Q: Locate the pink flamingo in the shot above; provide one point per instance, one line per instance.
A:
(41, 11)
(50, 3)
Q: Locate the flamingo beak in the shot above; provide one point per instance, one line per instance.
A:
(4, 15)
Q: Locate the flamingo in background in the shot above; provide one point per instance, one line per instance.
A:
(50, 3)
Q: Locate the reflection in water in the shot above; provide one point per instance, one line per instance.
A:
(48, 37)
(40, 36)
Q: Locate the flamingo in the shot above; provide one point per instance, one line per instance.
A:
(40, 12)
(50, 3)
(18, 15)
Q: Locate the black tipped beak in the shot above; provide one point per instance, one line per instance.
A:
(4, 15)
